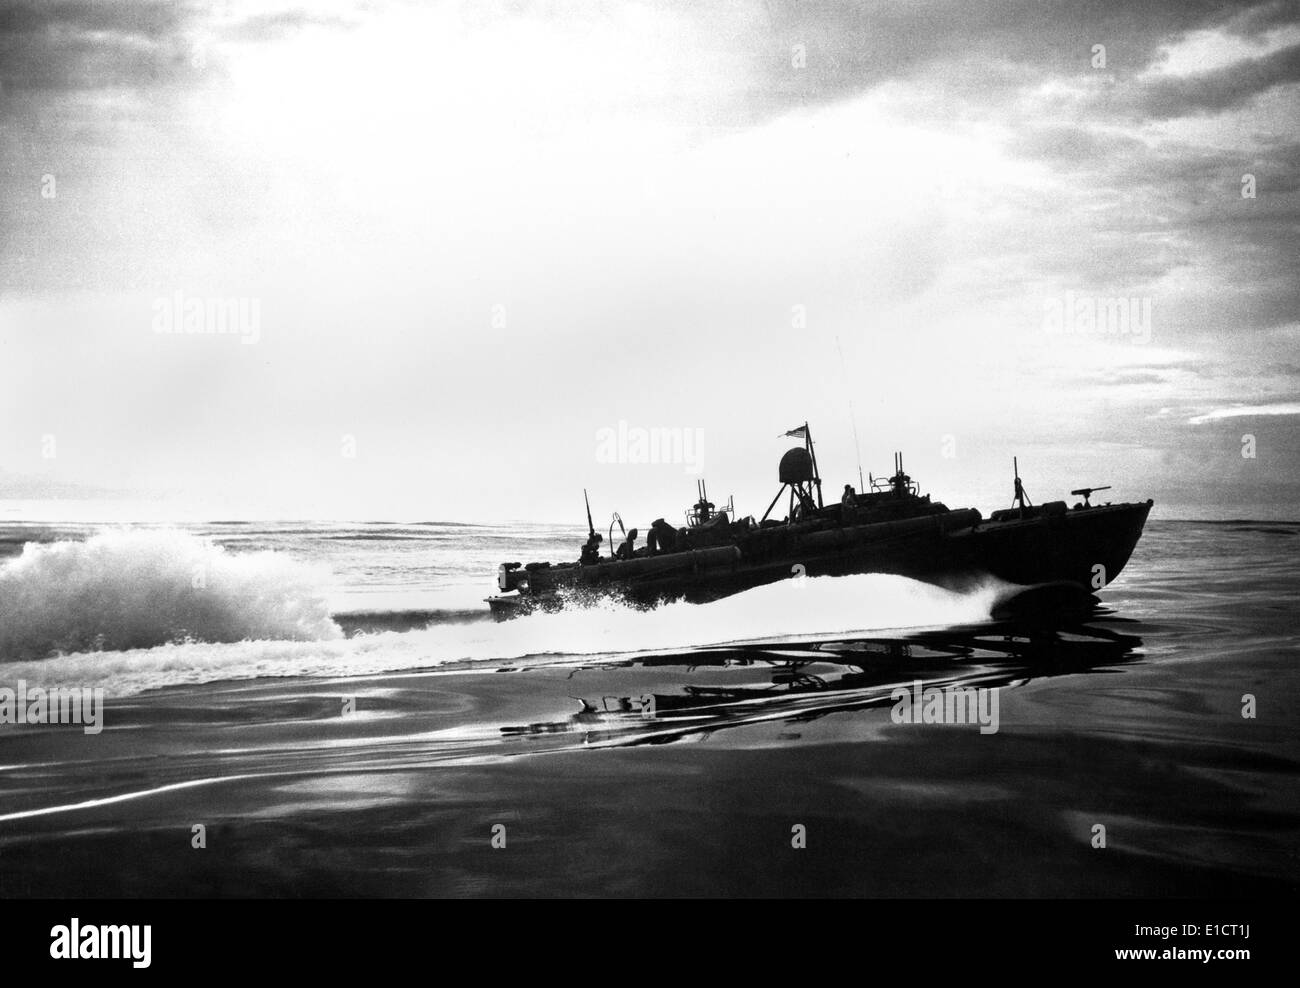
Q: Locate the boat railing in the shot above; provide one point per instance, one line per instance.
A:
(693, 519)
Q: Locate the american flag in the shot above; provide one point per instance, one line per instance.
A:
(799, 433)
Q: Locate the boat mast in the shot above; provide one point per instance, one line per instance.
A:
(812, 453)
(1019, 498)
(853, 418)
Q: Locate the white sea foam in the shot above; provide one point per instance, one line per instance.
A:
(792, 608)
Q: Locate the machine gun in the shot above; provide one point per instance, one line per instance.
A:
(1087, 492)
(591, 549)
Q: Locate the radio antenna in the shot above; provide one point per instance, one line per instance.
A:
(853, 418)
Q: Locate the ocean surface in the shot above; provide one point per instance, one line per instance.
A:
(307, 709)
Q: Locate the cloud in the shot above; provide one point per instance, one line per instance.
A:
(87, 46)
(284, 23)
(634, 183)
(1244, 411)
(988, 52)
(1212, 92)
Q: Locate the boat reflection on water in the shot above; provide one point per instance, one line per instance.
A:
(688, 696)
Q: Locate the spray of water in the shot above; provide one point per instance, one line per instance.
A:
(133, 610)
(136, 588)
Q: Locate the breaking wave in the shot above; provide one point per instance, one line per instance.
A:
(137, 588)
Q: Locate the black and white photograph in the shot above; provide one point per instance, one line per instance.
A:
(649, 449)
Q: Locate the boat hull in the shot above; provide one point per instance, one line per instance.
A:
(1087, 547)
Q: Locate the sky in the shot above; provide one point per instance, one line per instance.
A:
(417, 261)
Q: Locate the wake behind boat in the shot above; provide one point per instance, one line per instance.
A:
(889, 528)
